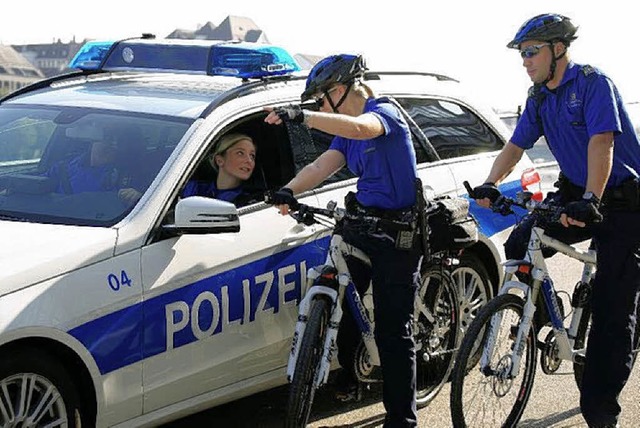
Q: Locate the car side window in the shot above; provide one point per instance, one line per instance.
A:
(452, 129)
(274, 165)
(307, 144)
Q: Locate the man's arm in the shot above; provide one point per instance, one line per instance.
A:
(504, 163)
(600, 161)
(502, 166)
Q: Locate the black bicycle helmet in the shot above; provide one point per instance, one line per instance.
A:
(343, 68)
(548, 27)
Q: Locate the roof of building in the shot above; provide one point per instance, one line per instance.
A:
(231, 28)
(11, 62)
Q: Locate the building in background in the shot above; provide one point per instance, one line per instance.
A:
(15, 71)
(50, 58)
(232, 28)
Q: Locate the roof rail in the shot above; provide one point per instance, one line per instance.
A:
(375, 75)
(248, 87)
(46, 82)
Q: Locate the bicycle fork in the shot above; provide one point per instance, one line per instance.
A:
(314, 289)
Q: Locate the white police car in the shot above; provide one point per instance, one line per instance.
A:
(128, 305)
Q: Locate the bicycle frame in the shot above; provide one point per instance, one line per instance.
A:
(338, 251)
(541, 282)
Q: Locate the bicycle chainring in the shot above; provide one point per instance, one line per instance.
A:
(364, 370)
(549, 360)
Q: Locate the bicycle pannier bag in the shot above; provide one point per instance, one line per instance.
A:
(451, 227)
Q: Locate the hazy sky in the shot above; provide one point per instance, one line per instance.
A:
(465, 39)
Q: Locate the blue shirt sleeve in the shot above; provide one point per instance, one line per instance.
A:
(529, 127)
(384, 111)
(601, 107)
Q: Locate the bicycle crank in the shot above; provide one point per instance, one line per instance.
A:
(549, 360)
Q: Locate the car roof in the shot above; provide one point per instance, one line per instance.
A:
(194, 95)
(171, 94)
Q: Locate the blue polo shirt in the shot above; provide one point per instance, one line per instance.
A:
(209, 189)
(385, 165)
(585, 104)
(77, 175)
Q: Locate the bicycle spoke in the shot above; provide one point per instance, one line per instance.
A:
(490, 396)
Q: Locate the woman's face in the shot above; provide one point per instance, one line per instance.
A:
(238, 161)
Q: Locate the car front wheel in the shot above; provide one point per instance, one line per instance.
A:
(36, 391)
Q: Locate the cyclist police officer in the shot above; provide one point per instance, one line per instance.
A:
(374, 141)
(582, 116)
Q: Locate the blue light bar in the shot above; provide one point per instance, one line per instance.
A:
(251, 60)
(244, 60)
(91, 55)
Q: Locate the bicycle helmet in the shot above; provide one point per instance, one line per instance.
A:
(548, 27)
(343, 68)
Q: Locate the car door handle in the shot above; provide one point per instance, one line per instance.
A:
(298, 233)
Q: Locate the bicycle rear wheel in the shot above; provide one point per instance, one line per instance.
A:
(490, 397)
(436, 332)
(302, 390)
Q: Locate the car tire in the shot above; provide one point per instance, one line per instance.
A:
(37, 391)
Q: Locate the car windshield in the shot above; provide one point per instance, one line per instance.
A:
(79, 166)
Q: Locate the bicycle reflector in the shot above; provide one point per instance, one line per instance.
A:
(212, 57)
(531, 182)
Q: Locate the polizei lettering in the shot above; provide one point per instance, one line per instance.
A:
(210, 305)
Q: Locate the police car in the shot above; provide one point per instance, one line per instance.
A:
(131, 311)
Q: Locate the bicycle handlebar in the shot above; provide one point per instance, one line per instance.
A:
(502, 205)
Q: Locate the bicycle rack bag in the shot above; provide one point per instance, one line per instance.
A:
(451, 227)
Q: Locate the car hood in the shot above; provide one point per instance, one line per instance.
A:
(32, 252)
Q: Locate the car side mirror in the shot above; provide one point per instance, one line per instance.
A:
(200, 215)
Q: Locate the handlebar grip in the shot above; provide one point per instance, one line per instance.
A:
(469, 189)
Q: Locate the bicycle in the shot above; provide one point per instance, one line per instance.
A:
(496, 363)
(436, 325)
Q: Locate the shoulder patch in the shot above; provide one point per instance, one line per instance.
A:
(533, 91)
(588, 70)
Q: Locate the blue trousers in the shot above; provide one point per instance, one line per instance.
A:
(615, 298)
(394, 291)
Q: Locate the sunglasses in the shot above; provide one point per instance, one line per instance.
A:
(320, 100)
(533, 50)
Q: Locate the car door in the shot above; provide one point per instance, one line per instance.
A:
(221, 308)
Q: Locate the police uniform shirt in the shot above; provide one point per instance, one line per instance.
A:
(586, 103)
(385, 165)
(210, 190)
(78, 176)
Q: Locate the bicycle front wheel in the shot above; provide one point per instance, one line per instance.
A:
(302, 389)
(491, 396)
(436, 333)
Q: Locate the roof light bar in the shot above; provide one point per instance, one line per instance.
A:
(244, 60)
(91, 55)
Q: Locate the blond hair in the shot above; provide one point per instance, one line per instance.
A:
(225, 143)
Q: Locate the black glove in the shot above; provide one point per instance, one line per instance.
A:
(487, 190)
(285, 196)
(584, 210)
(290, 113)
